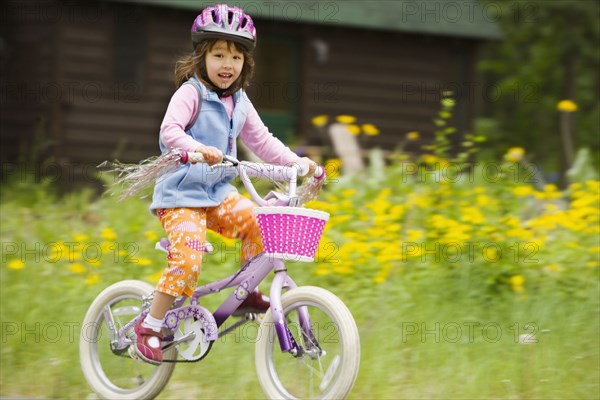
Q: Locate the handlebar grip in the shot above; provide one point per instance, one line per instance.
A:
(196, 157)
(319, 173)
(191, 157)
(303, 168)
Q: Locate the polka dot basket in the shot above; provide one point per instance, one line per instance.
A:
(291, 233)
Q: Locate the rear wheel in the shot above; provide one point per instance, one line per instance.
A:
(114, 376)
(329, 365)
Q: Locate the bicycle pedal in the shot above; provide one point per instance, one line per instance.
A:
(134, 355)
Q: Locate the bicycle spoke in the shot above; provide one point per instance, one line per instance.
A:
(313, 369)
(329, 374)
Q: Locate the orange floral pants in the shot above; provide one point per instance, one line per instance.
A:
(186, 230)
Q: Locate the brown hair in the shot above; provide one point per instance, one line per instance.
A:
(195, 64)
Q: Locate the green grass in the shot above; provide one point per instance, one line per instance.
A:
(425, 333)
(417, 342)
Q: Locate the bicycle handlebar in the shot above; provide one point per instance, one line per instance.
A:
(247, 169)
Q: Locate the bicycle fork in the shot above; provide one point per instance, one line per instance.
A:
(286, 339)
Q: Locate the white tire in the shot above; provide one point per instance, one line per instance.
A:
(112, 376)
(328, 375)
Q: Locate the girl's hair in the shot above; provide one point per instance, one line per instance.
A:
(195, 64)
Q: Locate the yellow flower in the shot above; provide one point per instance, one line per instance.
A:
(16, 264)
(414, 235)
(516, 282)
(370, 129)
(514, 154)
(332, 167)
(144, 261)
(552, 267)
(594, 186)
(80, 237)
(511, 221)
(393, 229)
(566, 106)
(379, 279)
(343, 269)
(413, 135)
(443, 163)
(95, 262)
(320, 120)
(108, 234)
(322, 270)
(472, 215)
(92, 279)
(550, 193)
(518, 233)
(397, 211)
(354, 129)
(490, 254)
(107, 247)
(151, 236)
(77, 268)
(482, 200)
(429, 159)
(345, 119)
(522, 191)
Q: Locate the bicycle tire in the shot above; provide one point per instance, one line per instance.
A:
(322, 305)
(92, 345)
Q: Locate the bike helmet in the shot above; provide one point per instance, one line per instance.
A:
(224, 22)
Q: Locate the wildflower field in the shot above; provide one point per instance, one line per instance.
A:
(467, 279)
(470, 282)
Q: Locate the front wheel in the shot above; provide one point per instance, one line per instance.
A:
(328, 365)
(117, 376)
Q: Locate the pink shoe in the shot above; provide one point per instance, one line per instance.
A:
(148, 345)
(256, 302)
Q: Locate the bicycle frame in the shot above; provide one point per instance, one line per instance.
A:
(246, 279)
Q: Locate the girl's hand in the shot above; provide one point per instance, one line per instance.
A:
(312, 166)
(211, 154)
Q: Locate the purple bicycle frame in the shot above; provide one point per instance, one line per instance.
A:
(247, 279)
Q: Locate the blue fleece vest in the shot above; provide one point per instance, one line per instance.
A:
(198, 185)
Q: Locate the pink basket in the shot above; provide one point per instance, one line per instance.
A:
(291, 233)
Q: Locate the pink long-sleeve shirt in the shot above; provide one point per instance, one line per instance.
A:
(254, 134)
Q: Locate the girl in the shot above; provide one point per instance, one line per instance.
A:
(207, 113)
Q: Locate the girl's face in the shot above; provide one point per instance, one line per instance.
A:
(224, 64)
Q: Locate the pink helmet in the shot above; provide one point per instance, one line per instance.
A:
(224, 22)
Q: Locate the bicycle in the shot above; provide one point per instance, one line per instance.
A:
(307, 346)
